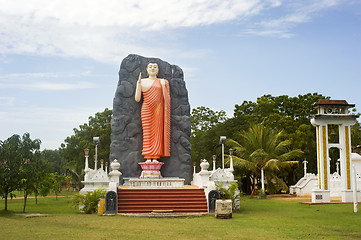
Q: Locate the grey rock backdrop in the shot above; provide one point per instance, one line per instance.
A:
(126, 137)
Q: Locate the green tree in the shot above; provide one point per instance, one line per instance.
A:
(54, 159)
(57, 183)
(15, 153)
(263, 148)
(289, 114)
(73, 149)
(41, 169)
(356, 135)
(205, 126)
(27, 179)
(29, 169)
(204, 118)
(10, 160)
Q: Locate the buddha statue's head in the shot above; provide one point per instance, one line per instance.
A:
(152, 69)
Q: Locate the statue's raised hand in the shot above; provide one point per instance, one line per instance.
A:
(139, 78)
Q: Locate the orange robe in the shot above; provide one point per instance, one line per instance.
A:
(155, 115)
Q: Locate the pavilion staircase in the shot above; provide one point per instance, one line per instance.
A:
(171, 199)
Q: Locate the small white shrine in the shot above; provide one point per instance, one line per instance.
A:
(98, 177)
(309, 181)
(333, 112)
(208, 180)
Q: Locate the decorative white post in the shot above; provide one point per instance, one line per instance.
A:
(222, 140)
(231, 160)
(262, 180)
(338, 167)
(96, 141)
(214, 162)
(114, 176)
(355, 201)
(102, 163)
(305, 167)
(204, 173)
(222, 156)
(86, 169)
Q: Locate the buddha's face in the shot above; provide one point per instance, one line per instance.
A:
(152, 69)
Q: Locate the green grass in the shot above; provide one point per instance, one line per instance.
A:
(64, 192)
(258, 219)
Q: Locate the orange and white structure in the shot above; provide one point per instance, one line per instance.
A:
(335, 113)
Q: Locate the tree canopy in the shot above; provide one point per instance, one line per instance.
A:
(280, 113)
(263, 148)
(73, 149)
(15, 153)
(204, 118)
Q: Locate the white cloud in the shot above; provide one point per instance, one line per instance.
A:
(105, 30)
(50, 125)
(7, 101)
(296, 12)
(129, 13)
(49, 86)
(42, 81)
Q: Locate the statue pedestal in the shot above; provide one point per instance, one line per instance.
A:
(150, 169)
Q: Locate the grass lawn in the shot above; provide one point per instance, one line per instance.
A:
(258, 219)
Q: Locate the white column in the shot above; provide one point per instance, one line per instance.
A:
(355, 201)
(322, 194)
(86, 170)
(345, 161)
(96, 157)
(262, 180)
(305, 167)
(231, 164)
(214, 162)
(222, 156)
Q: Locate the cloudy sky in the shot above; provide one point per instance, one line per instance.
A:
(59, 59)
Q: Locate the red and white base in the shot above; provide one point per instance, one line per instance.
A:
(150, 169)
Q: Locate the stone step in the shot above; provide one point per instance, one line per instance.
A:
(148, 200)
(200, 210)
(156, 204)
(160, 199)
(160, 190)
(158, 196)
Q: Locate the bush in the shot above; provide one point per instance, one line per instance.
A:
(88, 202)
(229, 192)
(262, 194)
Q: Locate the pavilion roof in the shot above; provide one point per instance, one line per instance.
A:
(334, 102)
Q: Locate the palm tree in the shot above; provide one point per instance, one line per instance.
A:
(260, 149)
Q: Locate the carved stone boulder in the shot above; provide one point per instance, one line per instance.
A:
(126, 136)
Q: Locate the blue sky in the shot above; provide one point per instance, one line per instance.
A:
(59, 60)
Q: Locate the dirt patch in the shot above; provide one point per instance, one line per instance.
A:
(30, 215)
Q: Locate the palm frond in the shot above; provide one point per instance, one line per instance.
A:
(240, 162)
(287, 164)
(290, 155)
(272, 164)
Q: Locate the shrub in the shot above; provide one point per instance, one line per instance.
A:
(88, 202)
(229, 192)
(262, 194)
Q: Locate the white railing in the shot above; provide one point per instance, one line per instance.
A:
(157, 183)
